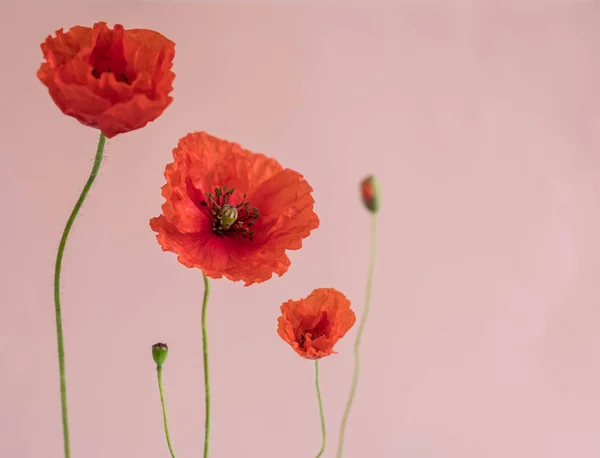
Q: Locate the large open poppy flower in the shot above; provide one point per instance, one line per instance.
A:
(114, 80)
(231, 212)
(312, 326)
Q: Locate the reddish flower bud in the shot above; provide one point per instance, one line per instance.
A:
(370, 194)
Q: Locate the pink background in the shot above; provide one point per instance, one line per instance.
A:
(482, 123)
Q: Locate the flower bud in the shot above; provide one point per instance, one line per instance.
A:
(370, 194)
(159, 353)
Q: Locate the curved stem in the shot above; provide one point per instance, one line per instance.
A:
(359, 334)
(323, 430)
(164, 410)
(206, 374)
(57, 308)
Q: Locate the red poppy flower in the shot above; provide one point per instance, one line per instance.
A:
(114, 80)
(231, 212)
(312, 326)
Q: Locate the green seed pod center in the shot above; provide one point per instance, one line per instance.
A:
(227, 215)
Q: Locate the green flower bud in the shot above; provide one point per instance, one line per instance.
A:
(159, 353)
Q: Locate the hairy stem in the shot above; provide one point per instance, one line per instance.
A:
(359, 334)
(164, 409)
(323, 429)
(206, 373)
(57, 307)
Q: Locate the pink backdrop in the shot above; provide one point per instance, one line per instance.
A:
(482, 124)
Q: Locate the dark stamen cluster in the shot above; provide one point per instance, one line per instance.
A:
(314, 334)
(220, 210)
(122, 77)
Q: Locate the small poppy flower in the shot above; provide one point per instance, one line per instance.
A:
(231, 212)
(114, 80)
(312, 326)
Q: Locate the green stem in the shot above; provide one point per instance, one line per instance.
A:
(206, 374)
(57, 309)
(359, 334)
(323, 430)
(164, 410)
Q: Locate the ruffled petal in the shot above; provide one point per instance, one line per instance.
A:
(212, 162)
(202, 163)
(287, 214)
(109, 79)
(298, 319)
